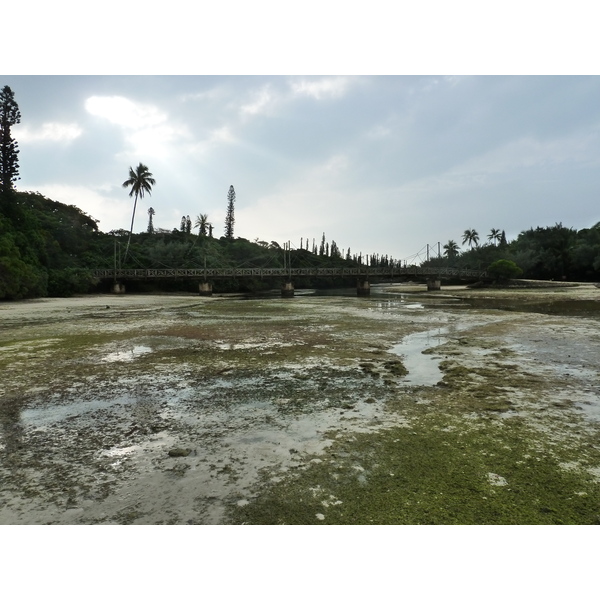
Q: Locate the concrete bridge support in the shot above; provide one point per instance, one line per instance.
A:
(363, 288)
(205, 288)
(287, 290)
(433, 284)
(117, 288)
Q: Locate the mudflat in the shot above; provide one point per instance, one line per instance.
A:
(458, 406)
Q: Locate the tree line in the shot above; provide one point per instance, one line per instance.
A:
(552, 252)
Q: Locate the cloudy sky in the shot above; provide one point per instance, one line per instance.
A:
(380, 164)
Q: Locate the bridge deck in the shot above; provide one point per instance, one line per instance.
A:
(442, 273)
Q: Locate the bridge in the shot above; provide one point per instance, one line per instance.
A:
(433, 275)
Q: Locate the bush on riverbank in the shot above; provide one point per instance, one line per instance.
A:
(502, 270)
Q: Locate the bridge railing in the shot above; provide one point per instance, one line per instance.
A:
(443, 273)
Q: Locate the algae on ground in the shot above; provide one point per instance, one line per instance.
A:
(437, 471)
(499, 440)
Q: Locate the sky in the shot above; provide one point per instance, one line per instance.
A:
(379, 164)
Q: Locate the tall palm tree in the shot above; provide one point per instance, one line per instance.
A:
(451, 249)
(141, 181)
(202, 224)
(494, 236)
(471, 237)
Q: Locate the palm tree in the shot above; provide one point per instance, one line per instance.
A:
(140, 181)
(202, 223)
(451, 249)
(494, 236)
(471, 237)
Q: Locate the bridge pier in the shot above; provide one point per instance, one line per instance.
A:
(205, 288)
(433, 284)
(287, 290)
(363, 288)
(117, 288)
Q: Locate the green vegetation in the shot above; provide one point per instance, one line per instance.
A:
(555, 252)
(230, 217)
(438, 471)
(504, 269)
(48, 248)
(9, 162)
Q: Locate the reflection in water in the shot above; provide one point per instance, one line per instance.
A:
(126, 355)
(400, 302)
(423, 369)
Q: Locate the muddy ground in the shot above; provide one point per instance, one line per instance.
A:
(458, 406)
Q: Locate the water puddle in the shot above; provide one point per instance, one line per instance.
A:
(590, 407)
(52, 414)
(127, 355)
(423, 369)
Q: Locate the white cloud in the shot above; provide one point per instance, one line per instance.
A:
(327, 87)
(124, 112)
(155, 141)
(216, 93)
(379, 132)
(221, 135)
(335, 165)
(262, 99)
(48, 132)
(147, 128)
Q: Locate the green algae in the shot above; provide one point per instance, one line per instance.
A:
(437, 471)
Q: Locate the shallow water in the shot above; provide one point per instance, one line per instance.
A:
(127, 355)
(423, 369)
(45, 415)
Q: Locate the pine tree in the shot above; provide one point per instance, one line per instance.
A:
(188, 224)
(182, 224)
(9, 162)
(151, 213)
(229, 218)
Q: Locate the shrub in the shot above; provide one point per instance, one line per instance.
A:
(504, 269)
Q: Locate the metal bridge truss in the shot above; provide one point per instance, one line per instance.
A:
(365, 272)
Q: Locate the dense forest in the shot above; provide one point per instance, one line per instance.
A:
(556, 252)
(48, 248)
